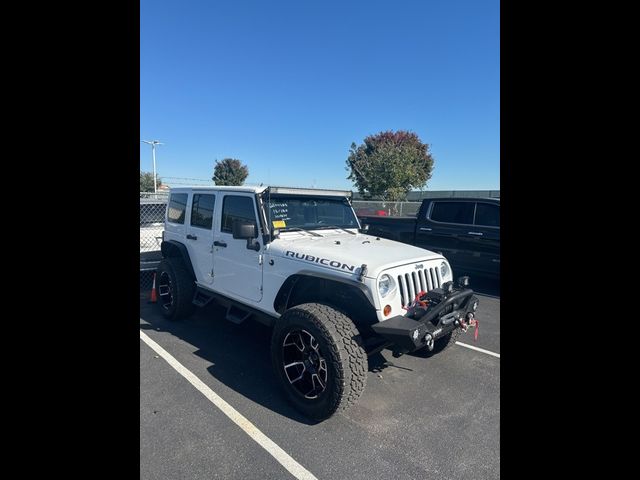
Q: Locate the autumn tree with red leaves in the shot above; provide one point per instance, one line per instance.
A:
(389, 165)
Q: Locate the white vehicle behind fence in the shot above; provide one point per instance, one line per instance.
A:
(298, 260)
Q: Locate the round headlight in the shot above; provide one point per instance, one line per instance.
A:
(444, 269)
(386, 285)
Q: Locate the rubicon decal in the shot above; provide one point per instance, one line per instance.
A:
(322, 261)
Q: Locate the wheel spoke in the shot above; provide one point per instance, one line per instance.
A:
(293, 364)
(164, 291)
(305, 368)
(313, 343)
(323, 366)
(295, 339)
(317, 377)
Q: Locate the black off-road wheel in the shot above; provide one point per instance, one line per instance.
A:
(175, 289)
(318, 359)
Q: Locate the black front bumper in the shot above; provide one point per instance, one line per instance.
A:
(424, 324)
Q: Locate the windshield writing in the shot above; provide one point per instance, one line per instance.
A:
(310, 213)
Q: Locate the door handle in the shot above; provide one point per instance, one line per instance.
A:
(219, 244)
(191, 237)
(425, 229)
(479, 234)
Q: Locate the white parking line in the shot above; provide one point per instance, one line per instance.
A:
(250, 429)
(478, 349)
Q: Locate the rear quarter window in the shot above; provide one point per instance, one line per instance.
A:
(487, 215)
(177, 207)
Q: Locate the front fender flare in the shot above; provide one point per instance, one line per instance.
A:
(282, 297)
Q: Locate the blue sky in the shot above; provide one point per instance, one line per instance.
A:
(286, 86)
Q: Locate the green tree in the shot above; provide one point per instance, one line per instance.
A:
(389, 165)
(146, 181)
(230, 172)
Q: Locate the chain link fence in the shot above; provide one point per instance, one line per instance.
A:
(418, 196)
(152, 211)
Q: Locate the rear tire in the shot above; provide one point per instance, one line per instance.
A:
(175, 288)
(329, 372)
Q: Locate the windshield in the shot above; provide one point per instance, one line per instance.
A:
(290, 212)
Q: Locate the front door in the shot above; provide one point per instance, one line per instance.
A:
(441, 232)
(237, 269)
(199, 238)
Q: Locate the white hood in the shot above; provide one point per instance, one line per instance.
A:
(350, 253)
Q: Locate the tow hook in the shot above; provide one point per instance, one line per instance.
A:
(461, 323)
(429, 339)
(473, 322)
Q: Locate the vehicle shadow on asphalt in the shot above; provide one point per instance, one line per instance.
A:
(238, 354)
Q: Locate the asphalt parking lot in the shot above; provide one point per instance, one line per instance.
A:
(418, 417)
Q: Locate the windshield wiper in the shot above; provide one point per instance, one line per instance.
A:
(327, 227)
(294, 229)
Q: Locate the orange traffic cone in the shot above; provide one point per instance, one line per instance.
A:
(154, 297)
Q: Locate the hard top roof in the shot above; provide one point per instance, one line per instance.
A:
(260, 189)
(245, 189)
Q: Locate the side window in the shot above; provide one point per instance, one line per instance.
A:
(453, 212)
(177, 207)
(202, 210)
(235, 207)
(488, 215)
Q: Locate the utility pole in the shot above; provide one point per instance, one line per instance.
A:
(153, 144)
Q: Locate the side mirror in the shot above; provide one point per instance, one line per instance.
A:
(365, 228)
(244, 230)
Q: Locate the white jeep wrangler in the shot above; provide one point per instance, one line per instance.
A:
(298, 260)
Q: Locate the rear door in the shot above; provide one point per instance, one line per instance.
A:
(237, 269)
(199, 235)
(441, 230)
(485, 238)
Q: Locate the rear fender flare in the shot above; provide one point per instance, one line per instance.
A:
(174, 249)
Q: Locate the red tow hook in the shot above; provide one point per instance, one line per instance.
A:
(473, 322)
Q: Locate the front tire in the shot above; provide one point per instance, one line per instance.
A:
(318, 360)
(175, 289)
